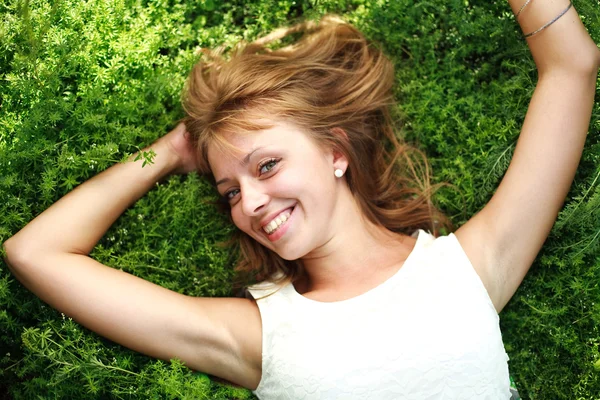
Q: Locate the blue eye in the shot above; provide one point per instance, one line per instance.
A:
(264, 168)
(231, 194)
(267, 166)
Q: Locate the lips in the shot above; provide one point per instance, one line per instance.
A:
(273, 217)
(275, 221)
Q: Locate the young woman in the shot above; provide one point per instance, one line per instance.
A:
(356, 299)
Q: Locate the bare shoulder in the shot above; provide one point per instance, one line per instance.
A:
(475, 242)
(236, 353)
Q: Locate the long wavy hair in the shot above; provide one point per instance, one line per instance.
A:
(332, 77)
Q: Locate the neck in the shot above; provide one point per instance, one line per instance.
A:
(357, 253)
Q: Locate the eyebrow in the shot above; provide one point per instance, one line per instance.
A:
(244, 162)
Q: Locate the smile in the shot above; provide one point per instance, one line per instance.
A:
(277, 222)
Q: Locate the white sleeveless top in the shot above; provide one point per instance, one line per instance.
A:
(428, 332)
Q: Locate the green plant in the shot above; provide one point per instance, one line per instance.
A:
(85, 84)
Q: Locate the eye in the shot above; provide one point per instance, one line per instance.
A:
(267, 166)
(230, 195)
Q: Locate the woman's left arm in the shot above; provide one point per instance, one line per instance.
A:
(563, 45)
(504, 238)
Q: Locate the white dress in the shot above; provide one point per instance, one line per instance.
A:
(428, 332)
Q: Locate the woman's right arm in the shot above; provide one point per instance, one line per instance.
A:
(218, 336)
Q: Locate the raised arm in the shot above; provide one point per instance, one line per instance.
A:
(218, 336)
(504, 238)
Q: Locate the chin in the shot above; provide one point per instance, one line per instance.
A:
(289, 255)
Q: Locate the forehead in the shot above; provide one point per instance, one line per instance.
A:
(282, 134)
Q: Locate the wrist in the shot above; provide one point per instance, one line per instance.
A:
(158, 159)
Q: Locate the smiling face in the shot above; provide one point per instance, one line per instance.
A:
(281, 188)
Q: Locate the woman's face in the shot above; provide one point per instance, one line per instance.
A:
(281, 187)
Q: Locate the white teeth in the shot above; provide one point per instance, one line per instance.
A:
(276, 223)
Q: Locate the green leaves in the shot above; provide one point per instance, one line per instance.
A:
(148, 157)
(84, 84)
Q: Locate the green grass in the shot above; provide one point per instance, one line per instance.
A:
(84, 84)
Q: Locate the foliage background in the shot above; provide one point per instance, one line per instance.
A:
(86, 83)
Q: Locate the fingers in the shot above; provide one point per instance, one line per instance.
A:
(180, 127)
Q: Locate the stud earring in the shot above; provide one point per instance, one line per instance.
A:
(338, 173)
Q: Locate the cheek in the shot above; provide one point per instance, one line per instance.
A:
(306, 177)
(314, 183)
(286, 185)
(239, 219)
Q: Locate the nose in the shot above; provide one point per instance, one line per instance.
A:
(254, 198)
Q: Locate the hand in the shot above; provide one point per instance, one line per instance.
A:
(179, 143)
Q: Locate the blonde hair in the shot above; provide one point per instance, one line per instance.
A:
(333, 77)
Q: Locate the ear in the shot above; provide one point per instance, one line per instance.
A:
(337, 131)
(339, 159)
